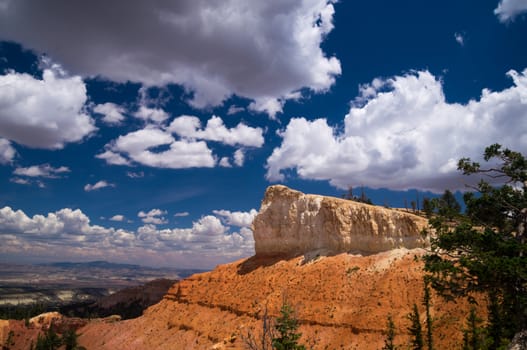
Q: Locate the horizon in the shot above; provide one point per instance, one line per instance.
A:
(153, 143)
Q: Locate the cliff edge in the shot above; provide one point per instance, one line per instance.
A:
(291, 223)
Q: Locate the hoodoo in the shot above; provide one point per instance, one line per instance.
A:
(292, 223)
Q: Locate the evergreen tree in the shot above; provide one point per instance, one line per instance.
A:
(429, 321)
(49, 341)
(474, 334)
(286, 326)
(486, 252)
(390, 335)
(428, 207)
(415, 329)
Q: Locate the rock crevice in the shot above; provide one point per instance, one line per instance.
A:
(293, 223)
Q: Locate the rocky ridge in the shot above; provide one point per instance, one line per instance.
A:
(291, 223)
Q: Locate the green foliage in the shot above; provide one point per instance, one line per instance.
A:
(485, 252)
(475, 335)
(286, 326)
(49, 341)
(21, 312)
(69, 339)
(415, 329)
(448, 205)
(390, 335)
(429, 321)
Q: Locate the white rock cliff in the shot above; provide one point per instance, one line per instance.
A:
(293, 223)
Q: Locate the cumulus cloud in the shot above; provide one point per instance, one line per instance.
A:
(215, 130)
(181, 144)
(225, 162)
(45, 113)
(7, 152)
(507, 10)
(261, 50)
(154, 216)
(237, 218)
(70, 234)
(157, 148)
(118, 218)
(401, 133)
(182, 214)
(239, 157)
(42, 170)
(112, 157)
(98, 185)
(155, 115)
(64, 224)
(112, 113)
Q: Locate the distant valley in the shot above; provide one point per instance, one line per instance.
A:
(62, 283)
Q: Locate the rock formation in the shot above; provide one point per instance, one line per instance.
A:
(341, 300)
(292, 223)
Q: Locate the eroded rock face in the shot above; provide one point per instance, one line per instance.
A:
(293, 223)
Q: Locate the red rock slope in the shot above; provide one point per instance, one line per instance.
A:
(341, 301)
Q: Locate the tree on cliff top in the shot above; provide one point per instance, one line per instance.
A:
(486, 251)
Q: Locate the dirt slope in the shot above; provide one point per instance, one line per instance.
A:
(341, 301)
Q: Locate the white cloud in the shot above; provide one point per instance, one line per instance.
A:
(98, 185)
(401, 133)
(135, 175)
(143, 147)
(182, 214)
(69, 233)
(225, 162)
(42, 170)
(7, 152)
(239, 157)
(460, 39)
(20, 181)
(215, 130)
(63, 224)
(508, 9)
(269, 105)
(156, 146)
(113, 114)
(118, 218)
(213, 49)
(113, 158)
(237, 218)
(151, 114)
(154, 216)
(45, 113)
(233, 109)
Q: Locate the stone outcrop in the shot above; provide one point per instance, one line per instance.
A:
(293, 223)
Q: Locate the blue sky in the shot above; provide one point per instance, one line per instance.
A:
(148, 132)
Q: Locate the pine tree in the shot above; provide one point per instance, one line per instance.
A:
(473, 335)
(415, 329)
(286, 326)
(486, 250)
(390, 335)
(429, 321)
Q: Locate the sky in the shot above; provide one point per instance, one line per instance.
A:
(146, 132)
